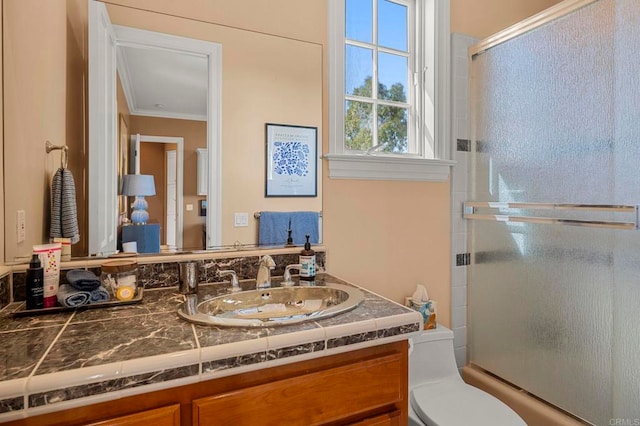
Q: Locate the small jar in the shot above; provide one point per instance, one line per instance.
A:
(120, 276)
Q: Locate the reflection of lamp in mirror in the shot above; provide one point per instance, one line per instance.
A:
(138, 186)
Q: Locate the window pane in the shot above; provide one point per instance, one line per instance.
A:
(358, 125)
(358, 70)
(392, 77)
(392, 128)
(392, 25)
(359, 20)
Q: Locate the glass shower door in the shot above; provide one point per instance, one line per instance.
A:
(555, 309)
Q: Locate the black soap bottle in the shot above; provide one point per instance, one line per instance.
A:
(35, 284)
(307, 262)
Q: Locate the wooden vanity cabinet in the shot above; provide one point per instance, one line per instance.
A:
(366, 387)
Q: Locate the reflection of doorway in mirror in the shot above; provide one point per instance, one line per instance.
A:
(152, 155)
(171, 199)
(123, 167)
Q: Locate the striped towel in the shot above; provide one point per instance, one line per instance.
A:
(64, 217)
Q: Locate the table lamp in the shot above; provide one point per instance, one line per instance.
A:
(138, 186)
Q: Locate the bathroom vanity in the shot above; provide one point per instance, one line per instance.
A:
(142, 364)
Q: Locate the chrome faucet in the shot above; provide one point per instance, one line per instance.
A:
(263, 280)
(235, 286)
(287, 281)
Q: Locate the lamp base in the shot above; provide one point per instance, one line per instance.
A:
(140, 215)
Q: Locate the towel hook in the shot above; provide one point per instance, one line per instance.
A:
(64, 157)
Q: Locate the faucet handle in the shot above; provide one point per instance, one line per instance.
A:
(287, 281)
(267, 261)
(235, 286)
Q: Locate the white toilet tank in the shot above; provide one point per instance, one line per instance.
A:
(431, 357)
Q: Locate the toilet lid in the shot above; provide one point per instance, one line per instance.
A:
(453, 402)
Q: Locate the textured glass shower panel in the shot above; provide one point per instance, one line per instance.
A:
(626, 299)
(541, 296)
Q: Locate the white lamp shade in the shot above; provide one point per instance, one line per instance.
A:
(138, 185)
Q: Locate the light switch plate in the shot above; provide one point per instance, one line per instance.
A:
(189, 207)
(240, 220)
(21, 226)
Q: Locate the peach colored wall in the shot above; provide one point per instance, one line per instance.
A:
(301, 20)
(482, 18)
(195, 136)
(43, 100)
(265, 79)
(390, 236)
(1, 144)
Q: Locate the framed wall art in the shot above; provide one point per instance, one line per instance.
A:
(291, 161)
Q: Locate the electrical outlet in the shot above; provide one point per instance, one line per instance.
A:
(240, 220)
(21, 226)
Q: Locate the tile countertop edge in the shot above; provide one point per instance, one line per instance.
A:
(147, 374)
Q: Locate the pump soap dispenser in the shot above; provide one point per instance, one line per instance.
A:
(307, 262)
(35, 284)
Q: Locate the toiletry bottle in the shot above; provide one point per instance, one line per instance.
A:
(35, 284)
(307, 262)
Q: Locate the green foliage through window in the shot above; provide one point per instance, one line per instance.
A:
(391, 121)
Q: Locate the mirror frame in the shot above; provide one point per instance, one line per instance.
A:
(102, 194)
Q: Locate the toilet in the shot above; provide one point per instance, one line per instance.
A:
(437, 394)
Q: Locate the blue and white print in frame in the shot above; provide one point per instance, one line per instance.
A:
(291, 161)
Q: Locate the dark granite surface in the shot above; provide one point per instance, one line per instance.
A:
(21, 350)
(113, 340)
(93, 337)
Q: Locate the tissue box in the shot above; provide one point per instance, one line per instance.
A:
(427, 310)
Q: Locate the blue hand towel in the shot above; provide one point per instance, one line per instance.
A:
(72, 298)
(273, 227)
(98, 295)
(81, 279)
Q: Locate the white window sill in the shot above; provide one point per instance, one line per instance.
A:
(379, 167)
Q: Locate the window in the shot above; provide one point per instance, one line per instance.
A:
(388, 89)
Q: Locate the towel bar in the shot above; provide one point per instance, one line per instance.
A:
(256, 215)
(64, 159)
(470, 212)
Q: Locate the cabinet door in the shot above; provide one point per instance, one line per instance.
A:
(310, 399)
(165, 416)
(387, 419)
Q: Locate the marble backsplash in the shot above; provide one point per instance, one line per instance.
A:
(5, 294)
(165, 274)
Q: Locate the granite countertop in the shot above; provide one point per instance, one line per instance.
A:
(65, 360)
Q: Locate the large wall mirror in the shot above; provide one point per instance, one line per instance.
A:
(171, 89)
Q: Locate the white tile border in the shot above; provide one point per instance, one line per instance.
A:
(13, 388)
(159, 363)
(279, 341)
(398, 320)
(228, 350)
(75, 377)
(13, 415)
(350, 329)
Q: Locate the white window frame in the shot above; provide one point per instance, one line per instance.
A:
(432, 161)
